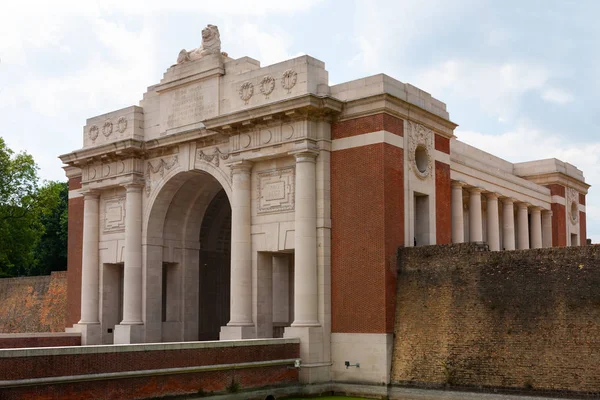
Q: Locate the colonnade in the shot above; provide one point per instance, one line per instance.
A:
(533, 224)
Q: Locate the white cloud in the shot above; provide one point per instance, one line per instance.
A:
(558, 96)
(496, 87)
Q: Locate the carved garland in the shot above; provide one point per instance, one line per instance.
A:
(212, 158)
(162, 166)
(420, 138)
(573, 205)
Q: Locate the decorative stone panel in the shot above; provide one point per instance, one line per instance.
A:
(420, 151)
(573, 205)
(114, 214)
(276, 190)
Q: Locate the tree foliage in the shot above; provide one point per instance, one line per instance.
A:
(33, 218)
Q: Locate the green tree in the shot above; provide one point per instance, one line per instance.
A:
(52, 207)
(20, 228)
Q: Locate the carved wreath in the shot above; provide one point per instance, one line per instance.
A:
(93, 132)
(420, 138)
(267, 84)
(573, 204)
(246, 91)
(107, 128)
(122, 124)
(288, 79)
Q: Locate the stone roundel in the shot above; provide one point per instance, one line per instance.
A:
(267, 85)
(93, 132)
(122, 124)
(289, 79)
(107, 129)
(246, 91)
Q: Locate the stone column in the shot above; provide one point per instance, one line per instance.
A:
(458, 229)
(475, 221)
(90, 290)
(493, 223)
(241, 324)
(546, 228)
(306, 293)
(523, 226)
(508, 224)
(132, 276)
(536, 228)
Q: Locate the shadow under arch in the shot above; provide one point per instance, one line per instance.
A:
(176, 279)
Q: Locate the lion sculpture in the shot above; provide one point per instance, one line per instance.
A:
(211, 44)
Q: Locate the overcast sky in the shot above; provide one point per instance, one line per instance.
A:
(521, 78)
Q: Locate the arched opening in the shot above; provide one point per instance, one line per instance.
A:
(188, 235)
(215, 259)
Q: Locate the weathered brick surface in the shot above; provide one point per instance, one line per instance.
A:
(582, 199)
(74, 253)
(443, 203)
(442, 144)
(556, 189)
(582, 228)
(149, 386)
(368, 124)
(33, 304)
(520, 319)
(157, 386)
(367, 207)
(39, 341)
(559, 225)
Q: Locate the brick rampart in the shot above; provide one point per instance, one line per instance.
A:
(24, 340)
(522, 320)
(148, 370)
(33, 304)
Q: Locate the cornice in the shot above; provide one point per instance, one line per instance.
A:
(386, 103)
(558, 178)
(116, 150)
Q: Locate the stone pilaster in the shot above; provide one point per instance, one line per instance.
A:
(130, 330)
(522, 226)
(241, 324)
(536, 228)
(508, 224)
(475, 220)
(546, 228)
(493, 222)
(458, 229)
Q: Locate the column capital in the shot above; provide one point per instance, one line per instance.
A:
(475, 189)
(547, 212)
(507, 200)
(133, 186)
(240, 166)
(305, 155)
(90, 194)
(523, 204)
(492, 195)
(458, 184)
(536, 208)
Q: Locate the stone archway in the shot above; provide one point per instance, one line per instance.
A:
(190, 206)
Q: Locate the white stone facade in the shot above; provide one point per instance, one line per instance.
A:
(259, 141)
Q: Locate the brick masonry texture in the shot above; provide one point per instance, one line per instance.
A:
(582, 199)
(152, 386)
(39, 341)
(517, 319)
(443, 203)
(367, 207)
(582, 228)
(75, 243)
(442, 144)
(368, 124)
(33, 304)
(559, 224)
(556, 190)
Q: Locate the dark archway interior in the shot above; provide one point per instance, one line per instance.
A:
(215, 256)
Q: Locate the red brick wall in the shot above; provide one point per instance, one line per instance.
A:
(443, 203)
(559, 225)
(368, 124)
(367, 207)
(556, 190)
(32, 367)
(442, 144)
(582, 199)
(75, 241)
(39, 341)
(582, 228)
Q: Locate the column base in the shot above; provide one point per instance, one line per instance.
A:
(314, 365)
(237, 332)
(91, 334)
(128, 334)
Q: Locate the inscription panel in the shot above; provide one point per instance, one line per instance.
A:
(276, 190)
(114, 214)
(188, 105)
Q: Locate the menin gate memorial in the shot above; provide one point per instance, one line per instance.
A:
(239, 201)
